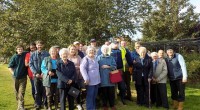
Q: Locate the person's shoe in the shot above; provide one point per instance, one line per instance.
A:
(79, 107)
(123, 102)
(105, 108)
(180, 106)
(175, 104)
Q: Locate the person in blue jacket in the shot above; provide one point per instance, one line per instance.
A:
(50, 78)
(116, 53)
(35, 65)
(107, 64)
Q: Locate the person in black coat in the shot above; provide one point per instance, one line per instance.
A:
(143, 68)
(66, 73)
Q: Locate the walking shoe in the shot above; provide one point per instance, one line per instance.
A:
(79, 107)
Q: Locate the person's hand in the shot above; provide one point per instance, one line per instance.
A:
(130, 70)
(86, 82)
(51, 73)
(37, 75)
(134, 62)
(105, 66)
(149, 79)
(69, 81)
(184, 80)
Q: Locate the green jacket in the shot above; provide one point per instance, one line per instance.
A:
(17, 63)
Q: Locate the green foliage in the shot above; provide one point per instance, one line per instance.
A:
(170, 19)
(193, 66)
(63, 21)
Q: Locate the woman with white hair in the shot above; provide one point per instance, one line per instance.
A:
(66, 73)
(159, 79)
(143, 68)
(107, 64)
(90, 71)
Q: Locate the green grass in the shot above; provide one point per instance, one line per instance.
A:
(8, 102)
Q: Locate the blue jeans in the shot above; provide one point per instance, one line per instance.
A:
(32, 88)
(92, 91)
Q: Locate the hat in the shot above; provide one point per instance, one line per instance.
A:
(76, 42)
(169, 47)
(115, 42)
(92, 40)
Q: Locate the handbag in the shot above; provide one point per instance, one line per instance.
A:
(73, 92)
(115, 76)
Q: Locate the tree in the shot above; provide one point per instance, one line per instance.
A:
(170, 19)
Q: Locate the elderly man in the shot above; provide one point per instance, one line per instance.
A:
(177, 74)
(159, 79)
(142, 68)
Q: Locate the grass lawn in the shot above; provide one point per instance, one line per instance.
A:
(8, 102)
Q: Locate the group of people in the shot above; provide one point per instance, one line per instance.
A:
(52, 74)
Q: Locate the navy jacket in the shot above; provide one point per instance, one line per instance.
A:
(145, 69)
(116, 53)
(134, 55)
(65, 72)
(81, 54)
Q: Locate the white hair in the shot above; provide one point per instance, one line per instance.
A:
(63, 50)
(142, 49)
(154, 54)
(105, 47)
(90, 48)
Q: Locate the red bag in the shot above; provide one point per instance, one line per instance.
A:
(115, 76)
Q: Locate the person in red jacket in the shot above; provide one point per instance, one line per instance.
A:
(32, 48)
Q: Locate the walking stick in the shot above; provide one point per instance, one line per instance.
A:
(149, 94)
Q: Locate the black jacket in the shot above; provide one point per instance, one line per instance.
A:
(65, 72)
(146, 69)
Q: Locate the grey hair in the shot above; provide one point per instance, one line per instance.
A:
(142, 49)
(105, 47)
(154, 54)
(63, 50)
(90, 48)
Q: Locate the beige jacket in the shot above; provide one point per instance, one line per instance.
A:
(161, 71)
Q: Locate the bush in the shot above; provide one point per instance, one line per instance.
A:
(193, 66)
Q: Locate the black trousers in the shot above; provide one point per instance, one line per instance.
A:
(159, 95)
(40, 94)
(63, 95)
(127, 79)
(108, 95)
(142, 93)
(177, 90)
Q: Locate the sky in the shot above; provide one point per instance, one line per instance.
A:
(196, 3)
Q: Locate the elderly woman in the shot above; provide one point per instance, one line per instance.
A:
(66, 73)
(159, 79)
(90, 71)
(76, 59)
(50, 78)
(143, 68)
(107, 64)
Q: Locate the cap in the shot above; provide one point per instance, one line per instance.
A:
(115, 42)
(92, 40)
(76, 42)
